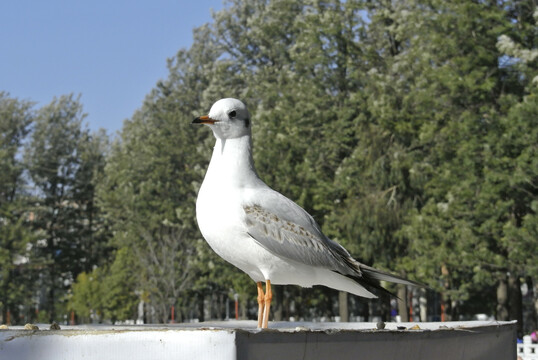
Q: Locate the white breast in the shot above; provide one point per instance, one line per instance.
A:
(219, 217)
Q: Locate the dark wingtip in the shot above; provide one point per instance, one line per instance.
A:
(370, 278)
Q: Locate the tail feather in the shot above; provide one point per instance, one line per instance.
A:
(367, 276)
(370, 278)
(375, 274)
(369, 283)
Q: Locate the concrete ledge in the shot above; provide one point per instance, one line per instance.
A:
(284, 340)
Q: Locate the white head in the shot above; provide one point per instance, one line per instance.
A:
(228, 118)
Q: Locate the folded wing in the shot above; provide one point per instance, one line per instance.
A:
(285, 229)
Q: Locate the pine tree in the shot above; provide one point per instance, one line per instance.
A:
(61, 163)
(16, 117)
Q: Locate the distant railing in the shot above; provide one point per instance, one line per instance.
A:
(527, 350)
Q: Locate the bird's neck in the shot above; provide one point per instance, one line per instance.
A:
(232, 163)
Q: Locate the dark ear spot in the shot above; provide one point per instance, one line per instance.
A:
(247, 122)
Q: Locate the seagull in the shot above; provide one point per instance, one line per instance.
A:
(262, 232)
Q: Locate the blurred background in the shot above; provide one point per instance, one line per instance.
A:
(407, 128)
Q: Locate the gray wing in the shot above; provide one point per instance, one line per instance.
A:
(285, 229)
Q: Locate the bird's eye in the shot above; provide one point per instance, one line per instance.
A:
(232, 114)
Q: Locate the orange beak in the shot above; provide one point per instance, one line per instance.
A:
(204, 120)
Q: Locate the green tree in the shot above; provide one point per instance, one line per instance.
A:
(152, 178)
(396, 124)
(62, 160)
(15, 119)
(91, 228)
(119, 288)
(87, 296)
(457, 235)
(107, 292)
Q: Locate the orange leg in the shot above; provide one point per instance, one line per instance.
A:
(267, 307)
(261, 303)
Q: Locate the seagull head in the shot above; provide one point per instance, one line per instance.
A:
(228, 118)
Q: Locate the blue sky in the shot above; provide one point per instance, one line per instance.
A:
(111, 52)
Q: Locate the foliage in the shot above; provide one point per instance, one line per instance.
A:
(63, 162)
(87, 296)
(408, 129)
(15, 119)
(106, 293)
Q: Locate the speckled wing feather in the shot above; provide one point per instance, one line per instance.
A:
(293, 234)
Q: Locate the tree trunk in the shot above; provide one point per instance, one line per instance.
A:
(210, 303)
(423, 303)
(201, 310)
(343, 307)
(52, 297)
(533, 311)
(515, 301)
(403, 309)
(4, 301)
(243, 304)
(502, 299)
(446, 308)
(366, 311)
(385, 307)
(278, 303)
(454, 311)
